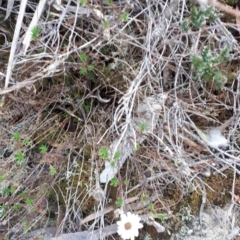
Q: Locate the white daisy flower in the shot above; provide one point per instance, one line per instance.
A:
(128, 226)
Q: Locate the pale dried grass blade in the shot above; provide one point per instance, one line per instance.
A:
(238, 19)
(9, 8)
(34, 22)
(14, 44)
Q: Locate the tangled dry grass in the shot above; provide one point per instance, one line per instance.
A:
(72, 75)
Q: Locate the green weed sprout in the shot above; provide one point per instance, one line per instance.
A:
(144, 197)
(143, 127)
(105, 24)
(119, 202)
(43, 149)
(160, 216)
(19, 156)
(83, 57)
(114, 182)
(103, 153)
(35, 32)
(26, 142)
(29, 201)
(16, 136)
(117, 155)
(52, 170)
(124, 17)
(82, 2)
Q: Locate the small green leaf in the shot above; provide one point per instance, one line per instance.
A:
(144, 197)
(15, 207)
(113, 164)
(105, 24)
(119, 202)
(124, 16)
(26, 142)
(117, 155)
(103, 153)
(82, 2)
(114, 182)
(16, 136)
(90, 68)
(8, 191)
(29, 201)
(143, 127)
(83, 71)
(19, 156)
(160, 216)
(52, 170)
(22, 194)
(137, 148)
(43, 149)
(35, 32)
(185, 25)
(83, 57)
(87, 107)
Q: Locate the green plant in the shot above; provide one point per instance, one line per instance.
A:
(25, 225)
(8, 191)
(22, 194)
(35, 32)
(1, 177)
(113, 163)
(16, 136)
(114, 182)
(124, 17)
(52, 170)
(143, 127)
(117, 155)
(83, 57)
(144, 197)
(82, 2)
(19, 156)
(198, 16)
(151, 208)
(86, 68)
(206, 65)
(90, 68)
(43, 149)
(29, 201)
(26, 142)
(137, 148)
(119, 202)
(16, 207)
(185, 25)
(105, 24)
(160, 216)
(103, 153)
(87, 106)
(83, 71)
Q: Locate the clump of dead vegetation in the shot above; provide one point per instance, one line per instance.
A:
(126, 87)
